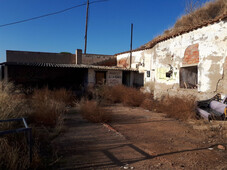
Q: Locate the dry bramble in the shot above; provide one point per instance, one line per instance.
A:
(44, 110)
(91, 111)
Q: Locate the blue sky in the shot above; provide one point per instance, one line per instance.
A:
(108, 28)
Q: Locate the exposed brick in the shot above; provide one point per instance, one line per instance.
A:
(122, 63)
(191, 55)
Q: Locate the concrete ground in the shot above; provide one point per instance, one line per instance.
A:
(146, 140)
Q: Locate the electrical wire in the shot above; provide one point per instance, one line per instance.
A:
(49, 14)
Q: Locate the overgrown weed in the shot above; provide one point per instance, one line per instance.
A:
(44, 110)
(208, 12)
(176, 107)
(121, 94)
(183, 107)
(91, 111)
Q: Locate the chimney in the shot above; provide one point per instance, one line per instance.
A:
(78, 56)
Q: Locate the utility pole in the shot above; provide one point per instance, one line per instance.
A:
(85, 46)
(131, 45)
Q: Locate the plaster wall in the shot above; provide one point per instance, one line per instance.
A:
(142, 60)
(113, 77)
(204, 47)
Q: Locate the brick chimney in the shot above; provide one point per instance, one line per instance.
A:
(78, 56)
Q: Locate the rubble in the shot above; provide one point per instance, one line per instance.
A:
(126, 166)
(221, 147)
(214, 108)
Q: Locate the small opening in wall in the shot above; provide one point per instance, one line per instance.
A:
(148, 73)
(189, 77)
(1, 72)
(100, 77)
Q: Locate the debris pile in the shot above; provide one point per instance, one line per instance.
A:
(214, 108)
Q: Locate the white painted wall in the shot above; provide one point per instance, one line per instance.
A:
(212, 41)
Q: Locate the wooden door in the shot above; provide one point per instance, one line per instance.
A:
(100, 77)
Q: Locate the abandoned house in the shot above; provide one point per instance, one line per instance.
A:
(71, 71)
(191, 62)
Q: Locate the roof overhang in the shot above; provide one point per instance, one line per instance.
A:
(79, 66)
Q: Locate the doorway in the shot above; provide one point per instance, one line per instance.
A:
(100, 77)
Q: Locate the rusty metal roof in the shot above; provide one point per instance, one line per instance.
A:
(67, 66)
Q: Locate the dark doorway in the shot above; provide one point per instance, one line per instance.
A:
(1, 72)
(138, 80)
(126, 78)
(100, 77)
(189, 77)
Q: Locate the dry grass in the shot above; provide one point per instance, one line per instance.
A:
(44, 110)
(14, 154)
(182, 108)
(209, 11)
(122, 94)
(133, 97)
(179, 107)
(91, 111)
(48, 106)
(10, 159)
(150, 104)
(114, 94)
(12, 103)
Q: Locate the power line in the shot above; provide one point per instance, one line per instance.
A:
(49, 14)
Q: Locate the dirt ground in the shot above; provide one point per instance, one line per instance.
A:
(142, 140)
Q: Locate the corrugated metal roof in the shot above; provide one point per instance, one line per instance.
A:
(67, 66)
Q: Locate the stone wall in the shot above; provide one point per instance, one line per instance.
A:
(58, 58)
(39, 57)
(91, 59)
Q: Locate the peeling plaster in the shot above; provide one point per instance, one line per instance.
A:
(212, 53)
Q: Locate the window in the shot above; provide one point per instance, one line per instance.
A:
(189, 77)
(148, 73)
(100, 77)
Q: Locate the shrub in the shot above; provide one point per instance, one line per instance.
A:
(133, 97)
(176, 107)
(14, 153)
(12, 103)
(44, 109)
(179, 107)
(148, 104)
(91, 111)
(207, 12)
(113, 93)
(48, 106)
(121, 94)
